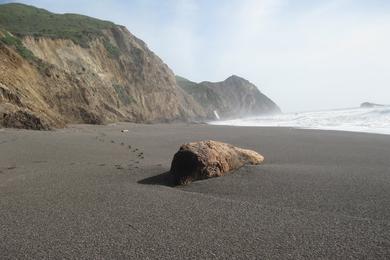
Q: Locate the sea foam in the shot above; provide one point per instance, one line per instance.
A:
(369, 120)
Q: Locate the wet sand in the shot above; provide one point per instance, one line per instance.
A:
(95, 192)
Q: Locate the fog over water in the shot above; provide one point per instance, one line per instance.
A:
(305, 55)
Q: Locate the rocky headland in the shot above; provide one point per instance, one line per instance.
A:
(57, 69)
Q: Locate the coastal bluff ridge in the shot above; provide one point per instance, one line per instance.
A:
(58, 69)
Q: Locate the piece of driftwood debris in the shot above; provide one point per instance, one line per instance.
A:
(207, 159)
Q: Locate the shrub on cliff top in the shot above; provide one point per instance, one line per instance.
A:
(11, 40)
(22, 20)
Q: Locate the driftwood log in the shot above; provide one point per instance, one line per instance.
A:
(207, 159)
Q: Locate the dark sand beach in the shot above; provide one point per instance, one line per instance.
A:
(94, 192)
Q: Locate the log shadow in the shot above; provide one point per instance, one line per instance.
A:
(165, 179)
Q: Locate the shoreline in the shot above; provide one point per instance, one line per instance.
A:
(365, 120)
(210, 123)
(95, 192)
(304, 128)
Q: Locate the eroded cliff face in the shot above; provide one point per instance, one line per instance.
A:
(115, 78)
(57, 69)
(232, 98)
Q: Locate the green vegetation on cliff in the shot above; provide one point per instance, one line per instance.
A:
(123, 96)
(111, 49)
(11, 40)
(203, 94)
(231, 98)
(22, 20)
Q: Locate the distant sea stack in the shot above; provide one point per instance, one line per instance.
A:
(231, 98)
(57, 69)
(370, 105)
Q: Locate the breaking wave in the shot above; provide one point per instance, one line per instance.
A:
(370, 120)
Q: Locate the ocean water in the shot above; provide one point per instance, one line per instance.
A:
(369, 120)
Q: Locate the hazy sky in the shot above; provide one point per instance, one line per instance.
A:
(304, 54)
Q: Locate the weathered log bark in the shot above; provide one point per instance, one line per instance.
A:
(207, 159)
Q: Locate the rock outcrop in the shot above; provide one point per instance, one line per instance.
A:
(66, 68)
(232, 98)
(207, 159)
(370, 105)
